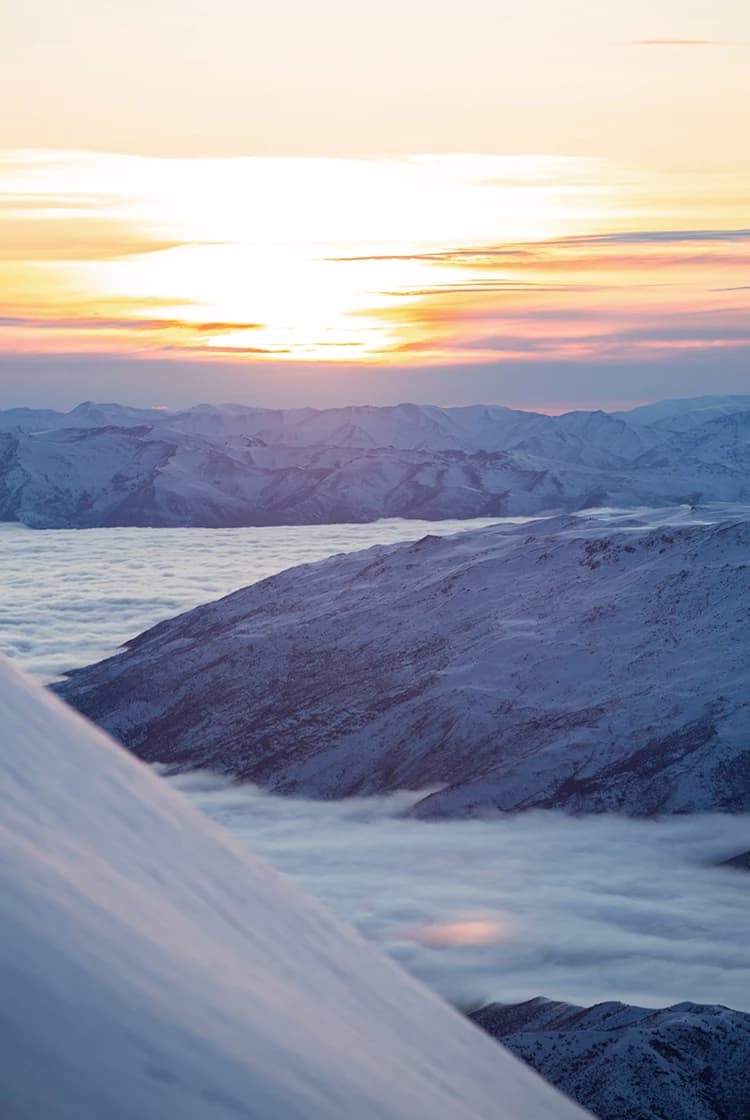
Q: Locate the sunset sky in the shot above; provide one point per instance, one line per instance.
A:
(542, 204)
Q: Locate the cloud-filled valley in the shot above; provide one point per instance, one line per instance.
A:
(581, 909)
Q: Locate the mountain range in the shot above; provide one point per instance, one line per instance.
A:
(229, 465)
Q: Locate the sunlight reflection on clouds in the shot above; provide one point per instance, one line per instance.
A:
(584, 909)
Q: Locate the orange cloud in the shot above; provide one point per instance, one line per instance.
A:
(75, 239)
(677, 43)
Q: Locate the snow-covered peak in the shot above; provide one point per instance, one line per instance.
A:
(151, 970)
(685, 413)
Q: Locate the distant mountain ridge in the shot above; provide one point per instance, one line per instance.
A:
(469, 428)
(687, 1062)
(583, 663)
(682, 413)
(225, 465)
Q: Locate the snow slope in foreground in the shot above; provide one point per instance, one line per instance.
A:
(151, 970)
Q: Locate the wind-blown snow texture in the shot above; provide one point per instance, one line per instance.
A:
(574, 663)
(150, 969)
(228, 465)
(685, 1062)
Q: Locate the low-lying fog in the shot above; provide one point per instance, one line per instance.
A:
(581, 909)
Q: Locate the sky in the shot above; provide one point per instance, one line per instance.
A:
(543, 205)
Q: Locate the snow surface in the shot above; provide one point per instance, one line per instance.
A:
(227, 465)
(686, 412)
(592, 663)
(151, 970)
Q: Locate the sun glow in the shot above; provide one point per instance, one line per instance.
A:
(426, 259)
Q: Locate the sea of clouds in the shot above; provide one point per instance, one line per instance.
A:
(506, 908)
(585, 909)
(72, 596)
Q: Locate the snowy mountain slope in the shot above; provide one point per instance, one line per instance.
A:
(30, 419)
(686, 413)
(628, 1063)
(75, 476)
(430, 428)
(740, 862)
(404, 426)
(84, 415)
(587, 663)
(140, 476)
(722, 442)
(150, 969)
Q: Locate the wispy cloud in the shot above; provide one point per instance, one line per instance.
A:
(26, 204)
(677, 43)
(100, 323)
(679, 332)
(617, 320)
(484, 287)
(656, 236)
(76, 238)
(445, 256)
(575, 298)
(234, 351)
(534, 253)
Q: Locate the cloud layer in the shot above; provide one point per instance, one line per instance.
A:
(580, 909)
